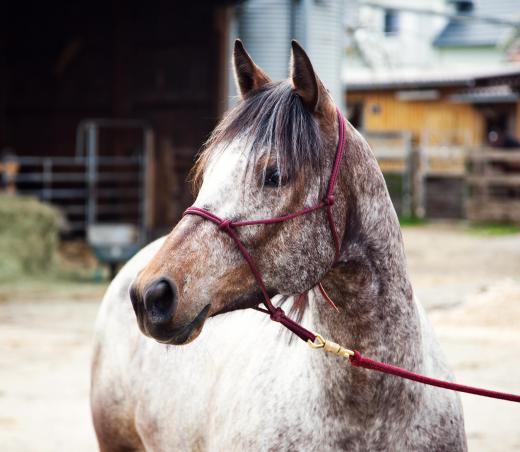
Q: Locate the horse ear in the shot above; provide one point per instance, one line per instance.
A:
(304, 79)
(249, 77)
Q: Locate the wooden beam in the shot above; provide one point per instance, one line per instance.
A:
(506, 180)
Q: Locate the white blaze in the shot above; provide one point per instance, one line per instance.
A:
(222, 187)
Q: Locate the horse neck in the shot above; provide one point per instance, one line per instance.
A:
(370, 283)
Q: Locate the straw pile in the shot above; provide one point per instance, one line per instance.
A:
(28, 237)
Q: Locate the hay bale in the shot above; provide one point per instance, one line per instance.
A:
(28, 237)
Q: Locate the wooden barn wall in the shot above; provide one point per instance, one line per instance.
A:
(157, 60)
(441, 119)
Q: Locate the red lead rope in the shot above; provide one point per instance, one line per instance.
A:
(359, 360)
(278, 315)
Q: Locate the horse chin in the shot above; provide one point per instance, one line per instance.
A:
(245, 301)
(180, 335)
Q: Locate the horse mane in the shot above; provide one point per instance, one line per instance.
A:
(276, 124)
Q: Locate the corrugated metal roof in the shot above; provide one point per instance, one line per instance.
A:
(413, 79)
(476, 32)
(486, 94)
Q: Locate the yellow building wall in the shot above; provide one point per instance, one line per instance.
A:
(434, 122)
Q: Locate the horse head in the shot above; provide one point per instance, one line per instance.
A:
(269, 156)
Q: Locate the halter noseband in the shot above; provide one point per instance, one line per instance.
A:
(229, 227)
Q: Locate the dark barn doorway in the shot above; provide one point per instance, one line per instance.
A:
(162, 62)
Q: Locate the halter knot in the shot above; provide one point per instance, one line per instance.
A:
(329, 200)
(356, 358)
(277, 315)
(225, 225)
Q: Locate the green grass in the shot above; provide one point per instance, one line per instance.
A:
(492, 229)
(406, 221)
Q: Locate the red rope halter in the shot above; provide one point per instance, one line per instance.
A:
(278, 315)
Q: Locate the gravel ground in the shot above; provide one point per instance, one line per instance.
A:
(469, 283)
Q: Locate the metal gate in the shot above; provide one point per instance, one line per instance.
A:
(103, 196)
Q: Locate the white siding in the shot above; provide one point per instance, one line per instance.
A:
(323, 38)
(265, 29)
(267, 26)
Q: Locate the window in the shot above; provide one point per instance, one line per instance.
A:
(391, 25)
(463, 6)
(375, 109)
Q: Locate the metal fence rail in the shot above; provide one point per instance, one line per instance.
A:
(64, 182)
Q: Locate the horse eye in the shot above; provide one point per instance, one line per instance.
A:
(272, 177)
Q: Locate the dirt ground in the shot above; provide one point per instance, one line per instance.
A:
(469, 283)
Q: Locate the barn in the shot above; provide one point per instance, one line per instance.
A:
(104, 105)
(449, 118)
(91, 73)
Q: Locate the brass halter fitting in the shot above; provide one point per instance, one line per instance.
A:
(330, 347)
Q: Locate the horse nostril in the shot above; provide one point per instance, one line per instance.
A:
(160, 301)
(134, 297)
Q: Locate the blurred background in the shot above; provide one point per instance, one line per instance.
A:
(104, 106)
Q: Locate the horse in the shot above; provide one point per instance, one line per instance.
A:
(180, 360)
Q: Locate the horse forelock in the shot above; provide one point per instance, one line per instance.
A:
(277, 129)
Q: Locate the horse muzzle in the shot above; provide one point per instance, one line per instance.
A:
(156, 308)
